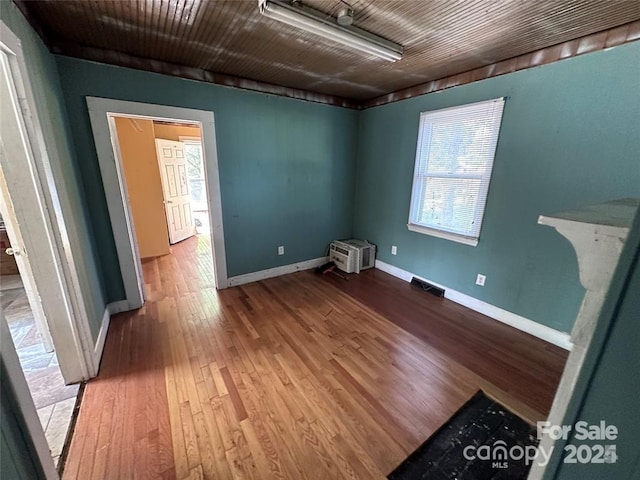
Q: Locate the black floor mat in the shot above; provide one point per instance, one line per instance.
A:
(481, 422)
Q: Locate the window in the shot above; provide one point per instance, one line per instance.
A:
(195, 173)
(454, 158)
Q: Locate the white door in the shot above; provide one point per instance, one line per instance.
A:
(175, 187)
(20, 254)
(11, 223)
(39, 204)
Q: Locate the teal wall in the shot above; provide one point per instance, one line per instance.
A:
(45, 83)
(18, 458)
(569, 137)
(287, 167)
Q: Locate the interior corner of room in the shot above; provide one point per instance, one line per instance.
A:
(160, 243)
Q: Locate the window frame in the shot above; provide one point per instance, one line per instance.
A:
(485, 178)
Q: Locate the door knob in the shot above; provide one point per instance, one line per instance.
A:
(12, 251)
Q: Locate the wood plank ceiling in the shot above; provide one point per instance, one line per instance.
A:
(441, 38)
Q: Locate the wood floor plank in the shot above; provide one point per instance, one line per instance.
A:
(300, 376)
(173, 402)
(235, 397)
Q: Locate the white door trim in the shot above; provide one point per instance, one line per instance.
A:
(53, 244)
(101, 113)
(192, 140)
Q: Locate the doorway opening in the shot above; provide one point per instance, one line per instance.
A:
(103, 113)
(163, 168)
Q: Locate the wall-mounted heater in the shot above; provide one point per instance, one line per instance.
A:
(319, 23)
(351, 256)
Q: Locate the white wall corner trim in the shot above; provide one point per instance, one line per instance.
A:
(102, 336)
(110, 310)
(276, 272)
(548, 334)
(118, 307)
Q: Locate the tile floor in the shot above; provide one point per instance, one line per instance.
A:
(53, 399)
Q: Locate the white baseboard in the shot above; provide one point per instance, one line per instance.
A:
(536, 329)
(276, 272)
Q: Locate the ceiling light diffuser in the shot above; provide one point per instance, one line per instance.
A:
(314, 21)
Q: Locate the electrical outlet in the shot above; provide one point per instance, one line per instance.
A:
(281, 250)
(394, 250)
(480, 279)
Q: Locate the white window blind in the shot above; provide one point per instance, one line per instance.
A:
(454, 158)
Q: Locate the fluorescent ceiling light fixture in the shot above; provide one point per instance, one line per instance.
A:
(314, 21)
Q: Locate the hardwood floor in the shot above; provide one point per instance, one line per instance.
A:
(290, 377)
(523, 370)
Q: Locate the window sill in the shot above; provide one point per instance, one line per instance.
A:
(440, 234)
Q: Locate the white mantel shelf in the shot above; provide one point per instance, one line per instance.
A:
(597, 234)
(606, 217)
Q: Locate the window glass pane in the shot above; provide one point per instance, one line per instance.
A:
(197, 191)
(195, 173)
(458, 148)
(193, 152)
(454, 158)
(449, 203)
